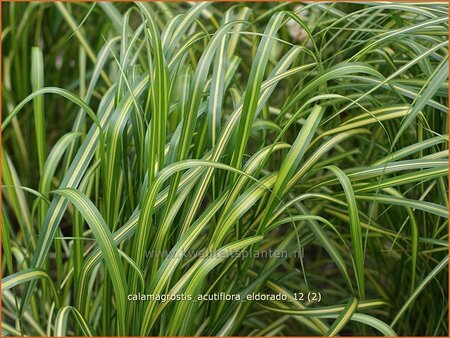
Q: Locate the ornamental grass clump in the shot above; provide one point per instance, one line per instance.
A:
(224, 169)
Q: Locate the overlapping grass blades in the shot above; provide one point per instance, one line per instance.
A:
(167, 148)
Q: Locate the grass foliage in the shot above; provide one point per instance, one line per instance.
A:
(134, 130)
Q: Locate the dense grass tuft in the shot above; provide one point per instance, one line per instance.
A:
(285, 149)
